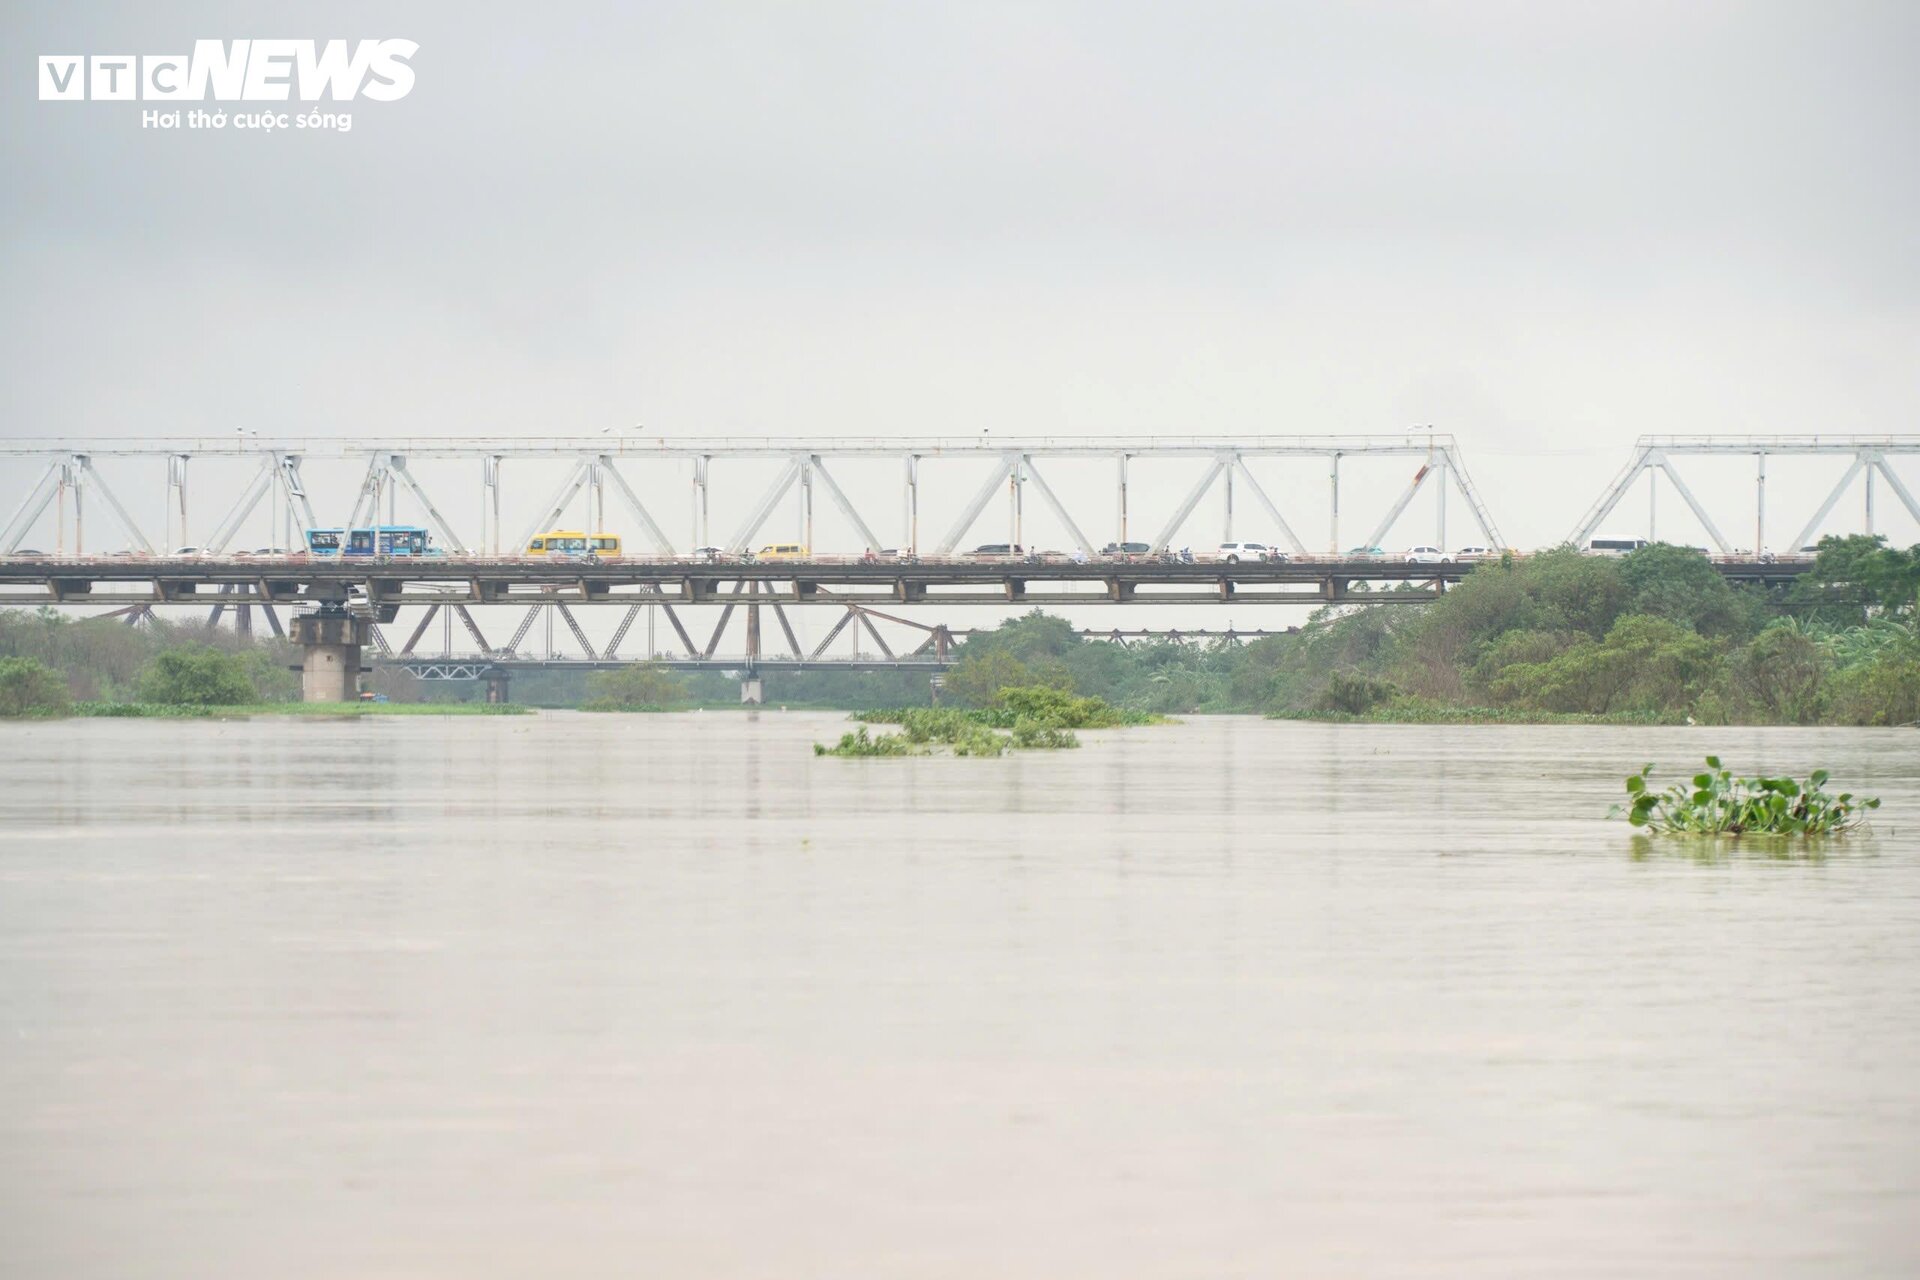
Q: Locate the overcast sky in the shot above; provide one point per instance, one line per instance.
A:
(1546, 228)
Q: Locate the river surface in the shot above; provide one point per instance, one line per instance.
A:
(574, 995)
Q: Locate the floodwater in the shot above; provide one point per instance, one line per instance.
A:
(572, 995)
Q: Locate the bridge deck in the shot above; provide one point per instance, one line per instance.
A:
(120, 580)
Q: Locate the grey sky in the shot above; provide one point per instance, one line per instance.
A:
(1545, 228)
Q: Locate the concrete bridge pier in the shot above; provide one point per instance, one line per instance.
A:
(752, 691)
(331, 641)
(497, 686)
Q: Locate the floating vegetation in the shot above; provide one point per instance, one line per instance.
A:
(861, 743)
(1037, 702)
(1034, 719)
(1719, 804)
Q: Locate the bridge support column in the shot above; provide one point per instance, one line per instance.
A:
(752, 692)
(330, 642)
(497, 681)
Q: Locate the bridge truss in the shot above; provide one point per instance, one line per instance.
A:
(1654, 456)
(630, 482)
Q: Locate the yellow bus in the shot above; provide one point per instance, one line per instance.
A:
(781, 551)
(574, 542)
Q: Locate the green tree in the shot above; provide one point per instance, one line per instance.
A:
(1681, 584)
(643, 686)
(29, 687)
(197, 676)
(1883, 690)
(1857, 577)
(1645, 665)
(1355, 694)
(1782, 675)
(977, 679)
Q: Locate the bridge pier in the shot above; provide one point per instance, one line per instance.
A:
(498, 681)
(331, 641)
(752, 691)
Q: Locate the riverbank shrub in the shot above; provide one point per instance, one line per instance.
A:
(643, 686)
(1717, 803)
(197, 676)
(1350, 693)
(303, 710)
(29, 687)
(1883, 690)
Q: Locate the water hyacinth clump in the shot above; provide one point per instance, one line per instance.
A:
(1717, 803)
(861, 743)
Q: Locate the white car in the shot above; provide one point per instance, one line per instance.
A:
(1474, 553)
(1427, 555)
(1255, 552)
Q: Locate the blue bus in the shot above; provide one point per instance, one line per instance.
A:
(395, 540)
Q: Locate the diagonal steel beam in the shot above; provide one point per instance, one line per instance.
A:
(1420, 478)
(426, 618)
(1833, 498)
(763, 509)
(1059, 508)
(845, 503)
(557, 505)
(1464, 482)
(256, 489)
(573, 625)
(679, 629)
(526, 625)
(726, 614)
(1879, 462)
(1273, 511)
(620, 486)
(98, 484)
(1603, 508)
(1185, 509)
(971, 512)
(397, 466)
(369, 495)
(1686, 494)
(473, 628)
(838, 627)
(874, 631)
(29, 511)
(294, 487)
(620, 632)
(793, 641)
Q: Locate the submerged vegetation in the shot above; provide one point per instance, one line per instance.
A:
(1034, 717)
(924, 728)
(643, 686)
(1715, 803)
(30, 688)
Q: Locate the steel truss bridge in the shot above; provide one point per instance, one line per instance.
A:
(934, 654)
(643, 488)
(599, 471)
